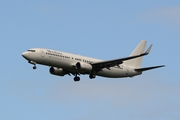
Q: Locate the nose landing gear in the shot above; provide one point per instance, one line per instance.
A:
(34, 67)
(34, 63)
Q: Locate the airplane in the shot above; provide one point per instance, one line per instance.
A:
(63, 63)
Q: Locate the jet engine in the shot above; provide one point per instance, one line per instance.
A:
(57, 71)
(85, 67)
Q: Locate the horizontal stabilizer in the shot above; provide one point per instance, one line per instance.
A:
(148, 68)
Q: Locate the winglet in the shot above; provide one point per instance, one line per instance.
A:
(148, 50)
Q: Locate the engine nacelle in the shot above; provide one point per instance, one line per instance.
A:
(84, 67)
(57, 71)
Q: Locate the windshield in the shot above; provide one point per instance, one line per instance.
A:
(32, 50)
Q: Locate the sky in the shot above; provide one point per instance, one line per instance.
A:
(100, 29)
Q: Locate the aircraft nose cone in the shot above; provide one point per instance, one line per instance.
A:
(25, 54)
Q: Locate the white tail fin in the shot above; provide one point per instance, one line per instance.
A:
(136, 63)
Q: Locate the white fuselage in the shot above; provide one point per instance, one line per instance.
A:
(68, 61)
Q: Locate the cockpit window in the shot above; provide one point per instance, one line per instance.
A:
(32, 50)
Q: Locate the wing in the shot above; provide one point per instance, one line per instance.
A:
(117, 62)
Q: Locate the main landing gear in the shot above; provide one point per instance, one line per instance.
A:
(92, 74)
(76, 78)
(34, 67)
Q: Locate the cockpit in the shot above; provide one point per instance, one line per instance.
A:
(32, 50)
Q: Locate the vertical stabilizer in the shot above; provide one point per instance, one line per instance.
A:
(136, 63)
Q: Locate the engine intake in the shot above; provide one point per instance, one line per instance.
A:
(57, 71)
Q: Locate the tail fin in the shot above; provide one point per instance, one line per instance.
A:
(136, 63)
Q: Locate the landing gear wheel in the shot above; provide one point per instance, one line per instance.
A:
(91, 76)
(34, 67)
(76, 79)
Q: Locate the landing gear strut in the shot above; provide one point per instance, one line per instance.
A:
(34, 63)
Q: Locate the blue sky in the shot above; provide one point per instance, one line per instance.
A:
(99, 29)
